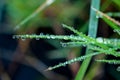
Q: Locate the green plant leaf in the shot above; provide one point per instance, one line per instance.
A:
(92, 33)
(72, 61)
(109, 61)
(110, 21)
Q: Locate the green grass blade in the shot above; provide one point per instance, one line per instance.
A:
(36, 12)
(109, 61)
(92, 32)
(47, 36)
(110, 21)
(114, 14)
(117, 2)
(73, 60)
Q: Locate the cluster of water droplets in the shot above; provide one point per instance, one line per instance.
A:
(110, 61)
(64, 63)
(73, 60)
(37, 38)
(19, 37)
(75, 44)
(117, 30)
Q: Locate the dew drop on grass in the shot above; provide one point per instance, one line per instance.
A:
(14, 37)
(118, 69)
(37, 38)
(48, 36)
(84, 45)
(71, 36)
(41, 34)
(23, 38)
(114, 30)
(52, 37)
(100, 40)
(64, 45)
(65, 38)
(72, 61)
(97, 16)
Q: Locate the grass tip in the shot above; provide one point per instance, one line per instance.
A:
(48, 69)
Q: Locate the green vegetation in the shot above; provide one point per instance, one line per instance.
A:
(95, 46)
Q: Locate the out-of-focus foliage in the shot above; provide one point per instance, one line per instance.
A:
(75, 13)
(61, 11)
(117, 2)
(20, 9)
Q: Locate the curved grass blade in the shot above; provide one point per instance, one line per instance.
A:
(60, 37)
(72, 61)
(109, 51)
(75, 31)
(110, 21)
(92, 33)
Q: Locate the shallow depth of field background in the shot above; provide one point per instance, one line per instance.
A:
(27, 59)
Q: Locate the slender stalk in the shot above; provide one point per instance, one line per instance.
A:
(93, 24)
(36, 12)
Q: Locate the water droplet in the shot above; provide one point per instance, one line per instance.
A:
(14, 37)
(75, 59)
(84, 45)
(114, 30)
(52, 37)
(23, 38)
(72, 61)
(17, 37)
(27, 35)
(105, 42)
(76, 38)
(100, 40)
(66, 63)
(49, 2)
(118, 69)
(65, 38)
(41, 34)
(97, 16)
(79, 38)
(71, 36)
(64, 45)
(48, 36)
(62, 64)
(37, 38)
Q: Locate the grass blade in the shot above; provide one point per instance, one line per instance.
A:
(110, 21)
(39, 9)
(109, 61)
(92, 32)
